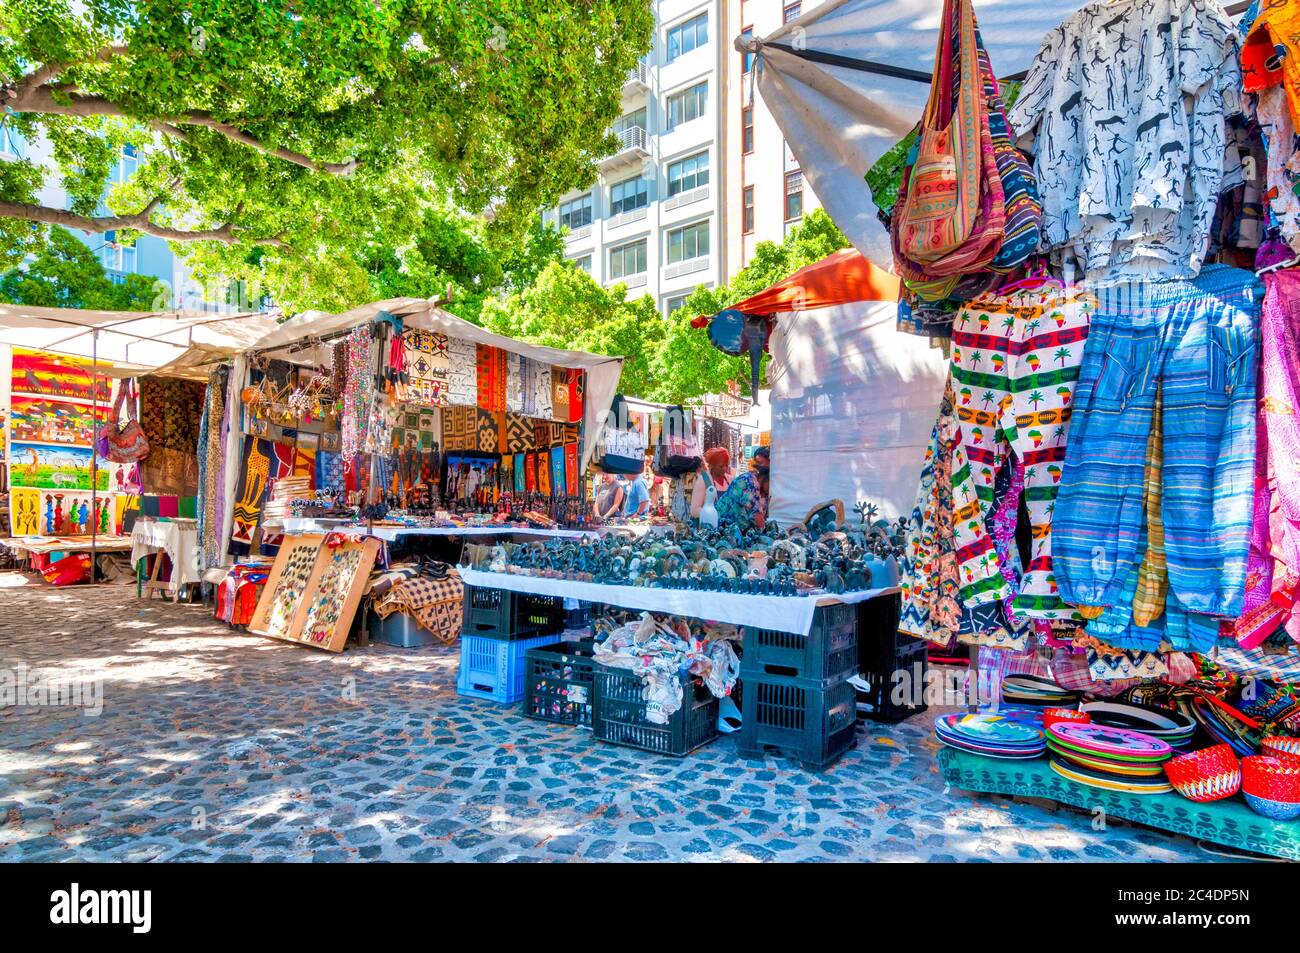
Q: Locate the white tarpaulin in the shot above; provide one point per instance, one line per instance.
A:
(853, 405)
(135, 342)
(839, 119)
(293, 341)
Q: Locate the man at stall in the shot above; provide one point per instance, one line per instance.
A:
(638, 497)
(744, 504)
(609, 498)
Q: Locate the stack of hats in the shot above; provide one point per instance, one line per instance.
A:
(1172, 727)
(1113, 759)
(990, 735)
(283, 492)
(1035, 691)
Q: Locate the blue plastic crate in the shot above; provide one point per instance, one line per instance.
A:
(493, 669)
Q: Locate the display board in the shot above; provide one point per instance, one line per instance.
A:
(54, 405)
(285, 586)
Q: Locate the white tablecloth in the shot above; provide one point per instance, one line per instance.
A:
(180, 541)
(781, 613)
(295, 526)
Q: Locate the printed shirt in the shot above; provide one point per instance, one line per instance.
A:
(1271, 54)
(1124, 109)
(742, 503)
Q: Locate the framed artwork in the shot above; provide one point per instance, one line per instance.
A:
(329, 440)
(49, 420)
(54, 468)
(50, 375)
(25, 512)
(285, 586)
(334, 592)
(61, 513)
(412, 421)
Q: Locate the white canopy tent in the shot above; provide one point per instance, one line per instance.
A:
(849, 78)
(301, 340)
(171, 343)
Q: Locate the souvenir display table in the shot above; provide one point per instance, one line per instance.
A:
(178, 539)
(44, 545)
(297, 526)
(778, 613)
(1228, 822)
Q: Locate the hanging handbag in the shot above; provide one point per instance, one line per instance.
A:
(125, 443)
(951, 213)
(678, 452)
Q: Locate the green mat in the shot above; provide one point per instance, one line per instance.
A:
(1229, 822)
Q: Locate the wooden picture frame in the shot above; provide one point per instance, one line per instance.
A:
(279, 623)
(333, 593)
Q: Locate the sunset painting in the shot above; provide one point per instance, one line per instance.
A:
(51, 375)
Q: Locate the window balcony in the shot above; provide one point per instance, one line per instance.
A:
(630, 281)
(686, 267)
(633, 149)
(637, 80)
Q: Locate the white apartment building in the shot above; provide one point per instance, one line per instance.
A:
(702, 174)
(766, 194)
(653, 221)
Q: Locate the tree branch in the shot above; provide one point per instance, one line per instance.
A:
(227, 234)
(42, 100)
(47, 72)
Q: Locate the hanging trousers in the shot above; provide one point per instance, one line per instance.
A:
(1015, 361)
(1197, 340)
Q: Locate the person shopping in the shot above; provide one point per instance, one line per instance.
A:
(715, 471)
(744, 504)
(609, 498)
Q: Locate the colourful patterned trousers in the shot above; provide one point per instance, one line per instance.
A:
(1015, 361)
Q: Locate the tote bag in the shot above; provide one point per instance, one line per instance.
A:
(121, 444)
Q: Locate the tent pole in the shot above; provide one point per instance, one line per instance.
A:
(94, 456)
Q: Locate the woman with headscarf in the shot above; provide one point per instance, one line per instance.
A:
(745, 503)
(715, 472)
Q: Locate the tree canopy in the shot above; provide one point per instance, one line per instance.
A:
(687, 365)
(666, 359)
(67, 274)
(287, 140)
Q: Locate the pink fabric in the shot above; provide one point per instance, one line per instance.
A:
(1280, 405)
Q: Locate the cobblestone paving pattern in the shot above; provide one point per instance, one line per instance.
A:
(218, 746)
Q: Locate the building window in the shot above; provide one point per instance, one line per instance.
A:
(747, 220)
(627, 259)
(583, 262)
(634, 119)
(793, 196)
(127, 163)
(689, 242)
(747, 61)
(629, 195)
(115, 257)
(576, 213)
(687, 105)
(689, 173)
(688, 36)
(12, 143)
(790, 12)
(747, 130)
(672, 304)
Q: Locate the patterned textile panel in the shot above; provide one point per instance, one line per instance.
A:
(542, 434)
(519, 433)
(571, 480)
(255, 469)
(459, 428)
(492, 371)
(530, 473)
(462, 373)
(514, 383)
(557, 471)
(491, 431)
(560, 393)
(544, 473)
(428, 365)
(577, 393)
(170, 411)
(542, 396)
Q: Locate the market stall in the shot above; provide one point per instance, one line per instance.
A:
(1107, 242)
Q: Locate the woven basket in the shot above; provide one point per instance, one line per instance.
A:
(1279, 746)
(1271, 779)
(1210, 774)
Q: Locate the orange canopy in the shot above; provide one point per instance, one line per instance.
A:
(840, 278)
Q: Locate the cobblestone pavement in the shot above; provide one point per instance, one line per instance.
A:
(214, 745)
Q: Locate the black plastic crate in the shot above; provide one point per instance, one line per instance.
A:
(814, 726)
(619, 715)
(828, 651)
(559, 682)
(505, 614)
(889, 698)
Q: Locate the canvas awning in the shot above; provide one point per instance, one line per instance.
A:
(849, 78)
(840, 278)
(171, 343)
(302, 340)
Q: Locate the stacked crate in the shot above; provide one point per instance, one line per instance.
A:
(498, 628)
(796, 696)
